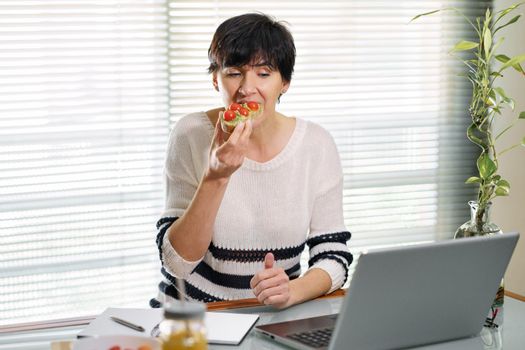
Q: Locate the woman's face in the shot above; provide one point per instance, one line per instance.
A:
(254, 82)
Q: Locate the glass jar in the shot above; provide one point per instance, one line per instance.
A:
(183, 327)
(480, 225)
(491, 338)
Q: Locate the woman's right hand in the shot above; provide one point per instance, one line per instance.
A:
(228, 151)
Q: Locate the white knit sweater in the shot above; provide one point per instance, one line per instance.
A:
(280, 206)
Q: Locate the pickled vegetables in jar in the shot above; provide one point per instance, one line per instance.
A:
(183, 327)
(184, 340)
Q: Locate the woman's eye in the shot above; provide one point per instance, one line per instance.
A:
(264, 74)
(233, 74)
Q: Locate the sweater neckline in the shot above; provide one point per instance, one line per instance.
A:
(281, 157)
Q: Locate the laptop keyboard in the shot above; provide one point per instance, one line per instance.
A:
(316, 338)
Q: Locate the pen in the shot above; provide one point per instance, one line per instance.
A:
(127, 324)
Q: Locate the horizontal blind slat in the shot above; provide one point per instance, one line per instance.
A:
(87, 89)
(83, 128)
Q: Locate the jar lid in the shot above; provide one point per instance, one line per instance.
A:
(184, 311)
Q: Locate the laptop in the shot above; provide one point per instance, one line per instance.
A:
(408, 296)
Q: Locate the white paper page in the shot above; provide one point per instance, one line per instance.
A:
(228, 328)
(222, 328)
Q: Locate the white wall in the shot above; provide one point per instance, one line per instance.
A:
(509, 212)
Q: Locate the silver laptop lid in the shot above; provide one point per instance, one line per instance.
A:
(407, 296)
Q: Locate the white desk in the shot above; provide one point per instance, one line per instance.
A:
(512, 334)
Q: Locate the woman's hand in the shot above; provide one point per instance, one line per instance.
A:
(271, 286)
(227, 153)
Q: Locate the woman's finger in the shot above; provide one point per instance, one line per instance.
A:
(264, 275)
(279, 292)
(236, 134)
(247, 131)
(277, 280)
(278, 301)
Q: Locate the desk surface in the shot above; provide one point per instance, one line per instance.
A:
(512, 335)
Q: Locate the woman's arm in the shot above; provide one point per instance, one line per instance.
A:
(314, 283)
(191, 234)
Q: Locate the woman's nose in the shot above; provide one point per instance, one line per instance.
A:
(247, 86)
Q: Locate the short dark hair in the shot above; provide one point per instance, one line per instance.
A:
(250, 38)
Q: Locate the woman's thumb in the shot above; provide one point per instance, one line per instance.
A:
(269, 260)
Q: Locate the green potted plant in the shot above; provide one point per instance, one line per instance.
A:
(484, 66)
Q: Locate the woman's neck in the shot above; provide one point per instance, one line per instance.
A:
(270, 137)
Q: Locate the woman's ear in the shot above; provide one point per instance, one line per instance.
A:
(285, 87)
(215, 82)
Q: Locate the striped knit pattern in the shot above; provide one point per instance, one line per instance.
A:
(283, 206)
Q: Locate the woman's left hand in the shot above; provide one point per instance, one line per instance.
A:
(271, 286)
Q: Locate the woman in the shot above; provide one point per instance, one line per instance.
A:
(241, 207)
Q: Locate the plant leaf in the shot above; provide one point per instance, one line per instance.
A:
(487, 41)
(472, 137)
(503, 183)
(423, 14)
(473, 179)
(502, 191)
(505, 59)
(504, 97)
(513, 20)
(501, 92)
(523, 141)
(502, 58)
(504, 12)
(498, 43)
(502, 188)
(522, 115)
(513, 61)
(518, 67)
(464, 45)
(486, 166)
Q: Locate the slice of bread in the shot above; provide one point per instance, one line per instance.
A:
(238, 113)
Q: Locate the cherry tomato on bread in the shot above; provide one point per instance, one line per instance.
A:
(234, 107)
(244, 112)
(229, 115)
(254, 106)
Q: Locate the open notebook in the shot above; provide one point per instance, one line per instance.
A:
(222, 327)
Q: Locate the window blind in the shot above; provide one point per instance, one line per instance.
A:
(386, 90)
(88, 89)
(83, 128)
